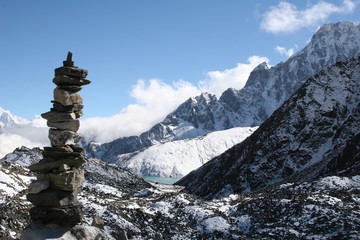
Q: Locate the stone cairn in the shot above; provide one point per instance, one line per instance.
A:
(59, 178)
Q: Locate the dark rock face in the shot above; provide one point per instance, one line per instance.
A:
(266, 90)
(312, 131)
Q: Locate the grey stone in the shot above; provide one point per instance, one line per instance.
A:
(64, 216)
(78, 232)
(61, 80)
(70, 88)
(38, 186)
(76, 148)
(66, 97)
(65, 149)
(66, 181)
(45, 165)
(69, 108)
(54, 116)
(68, 62)
(59, 138)
(58, 155)
(53, 198)
(78, 114)
(98, 222)
(71, 71)
(69, 125)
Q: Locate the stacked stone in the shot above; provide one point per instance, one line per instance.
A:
(59, 179)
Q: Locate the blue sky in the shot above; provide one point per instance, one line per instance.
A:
(146, 57)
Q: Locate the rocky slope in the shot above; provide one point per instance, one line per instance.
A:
(315, 132)
(266, 89)
(324, 209)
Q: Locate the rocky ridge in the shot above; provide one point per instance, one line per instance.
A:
(266, 89)
(308, 137)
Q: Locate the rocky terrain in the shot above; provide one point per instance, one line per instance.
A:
(266, 90)
(313, 134)
(328, 208)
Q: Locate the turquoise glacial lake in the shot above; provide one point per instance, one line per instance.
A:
(163, 180)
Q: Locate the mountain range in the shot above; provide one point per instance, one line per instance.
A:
(313, 134)
(266, 90)
(296, 176)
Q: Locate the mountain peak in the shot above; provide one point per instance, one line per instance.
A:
(317, 124)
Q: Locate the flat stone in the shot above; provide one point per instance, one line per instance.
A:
(45, 166)
(53, 198)
(70, 125)
(59, 116)
(65, 149)
(69, 108)
(57, 155)
(46, 232)
(66, 181)
(70, 88)
(76, 148)
(66, 97)
(38, 186)
(65, 216)
(71, 71)
(59, 138)
(62, 80)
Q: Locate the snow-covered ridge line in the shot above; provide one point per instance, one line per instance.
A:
(178, 158)
(265, 91)
(313, 134)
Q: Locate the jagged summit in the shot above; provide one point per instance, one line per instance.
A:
(6, 119)
(266, 90)
(314, 133)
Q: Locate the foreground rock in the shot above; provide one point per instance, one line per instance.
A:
(323, 209)
(39, 232)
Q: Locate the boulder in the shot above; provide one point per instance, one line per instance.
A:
(66, 181)
(38, 186)
(55, 116)
(98, 222)
(59, 138)
(52, 198)
(70, 125)
(78, 232)
(67, 98)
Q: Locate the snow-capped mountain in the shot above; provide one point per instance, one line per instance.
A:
(324, 209)
(266, 89)
(171, 160)
(314, 133)
(6, 119)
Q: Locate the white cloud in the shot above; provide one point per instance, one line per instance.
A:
(31, 134)
(218, 81)
(283, 51)
(154, 100)
(286, 18)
